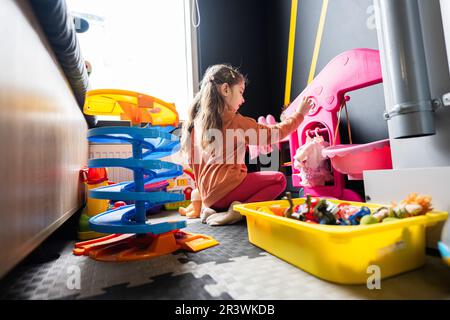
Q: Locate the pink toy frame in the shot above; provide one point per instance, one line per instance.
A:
(351, 70)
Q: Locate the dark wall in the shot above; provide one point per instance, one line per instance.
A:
(278, 37)
(235, 32)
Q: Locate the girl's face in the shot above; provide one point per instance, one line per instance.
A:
(234, 95)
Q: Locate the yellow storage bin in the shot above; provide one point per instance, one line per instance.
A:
(341, 254)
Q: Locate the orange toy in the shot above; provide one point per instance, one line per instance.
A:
(194, 208)
(264, 209)
(423, 200)
(273, 209)
(278, 210)
(129, 105)
(131, 246)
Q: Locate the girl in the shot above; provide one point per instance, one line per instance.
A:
(215, 137)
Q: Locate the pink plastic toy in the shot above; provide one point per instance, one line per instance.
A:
(351, 70)
(257, 150)
(353, 159)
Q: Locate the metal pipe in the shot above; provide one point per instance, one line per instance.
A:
(410, 108)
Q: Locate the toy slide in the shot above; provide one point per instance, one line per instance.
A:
(134, 236)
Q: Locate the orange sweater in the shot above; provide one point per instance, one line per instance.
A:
(217, 173)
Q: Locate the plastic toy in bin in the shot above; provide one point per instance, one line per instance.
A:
(323, 211)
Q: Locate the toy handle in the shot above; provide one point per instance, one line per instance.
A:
(351, 70)
(434, 218)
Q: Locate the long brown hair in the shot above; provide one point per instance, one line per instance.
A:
(208, 105)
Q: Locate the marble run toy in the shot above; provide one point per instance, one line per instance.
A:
(132, 235)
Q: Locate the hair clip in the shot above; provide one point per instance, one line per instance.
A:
(232, 74)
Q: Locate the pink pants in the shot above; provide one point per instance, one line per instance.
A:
(257, 186)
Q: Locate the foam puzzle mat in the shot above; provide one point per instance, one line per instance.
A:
(233, 270)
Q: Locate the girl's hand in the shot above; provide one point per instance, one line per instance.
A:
(305, 106)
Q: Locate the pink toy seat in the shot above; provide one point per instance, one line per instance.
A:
(352, 159)
(350, 70)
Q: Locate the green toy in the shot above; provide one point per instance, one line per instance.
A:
(368, 219)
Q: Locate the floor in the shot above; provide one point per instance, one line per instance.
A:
(235, 269)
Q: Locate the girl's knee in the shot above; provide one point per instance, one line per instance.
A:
(281, 179)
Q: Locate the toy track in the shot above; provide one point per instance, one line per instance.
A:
(149, 144)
